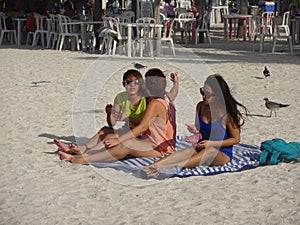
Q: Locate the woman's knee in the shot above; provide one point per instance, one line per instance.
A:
(104, 131)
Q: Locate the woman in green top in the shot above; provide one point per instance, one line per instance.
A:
(129, 106)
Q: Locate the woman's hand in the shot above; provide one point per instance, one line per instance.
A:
(108, 108)
(192, 128)
(174, 77)
(204, 144)
(118, 116)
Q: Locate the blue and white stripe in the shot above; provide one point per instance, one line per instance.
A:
(244, 157)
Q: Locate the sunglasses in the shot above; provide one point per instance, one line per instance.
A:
(128, 82)
(206, 95)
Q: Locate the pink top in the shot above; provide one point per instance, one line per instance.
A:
(162, 136)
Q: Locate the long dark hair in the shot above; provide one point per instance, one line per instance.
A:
(221, 90)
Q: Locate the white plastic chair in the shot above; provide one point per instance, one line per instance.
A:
(162, 18)
(106, 36)
(260, 30)
(127, 17)
(66, 31)
(203, 28)
(279, 34)
(91, 38)
(11, 34)
(218, 11)
(285, 23)
(184, 25)
(121, 39)
(185, 4)
(266, 21)
(53, 35)
(145, 34)
(41, 29)
(167, 34)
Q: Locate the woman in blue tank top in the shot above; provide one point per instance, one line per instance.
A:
(218, 120)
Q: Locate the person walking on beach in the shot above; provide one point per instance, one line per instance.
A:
(218, 120)
(152, 137)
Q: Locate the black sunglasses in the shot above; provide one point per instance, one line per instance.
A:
(128, 82)
(206, 95)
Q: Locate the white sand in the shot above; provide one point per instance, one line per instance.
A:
(37, 188)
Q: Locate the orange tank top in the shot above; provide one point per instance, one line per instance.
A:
(162, 136)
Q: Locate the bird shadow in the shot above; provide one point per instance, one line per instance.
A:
(259, 78)
(258, 115)
(90, 111)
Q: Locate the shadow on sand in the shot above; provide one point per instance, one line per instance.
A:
(258, 115)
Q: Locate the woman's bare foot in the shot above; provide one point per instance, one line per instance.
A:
(61, 145)
(72, 158)
(151, 170)
(65, 156)
(71, 148)
(75, 149)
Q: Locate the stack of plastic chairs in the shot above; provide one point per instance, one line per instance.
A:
(145, 28)
(53, 35)
(203, 27)
(281, 32)
(67, 33)
(261, 31)
(168, 32)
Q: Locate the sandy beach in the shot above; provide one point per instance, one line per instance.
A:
(48, 94)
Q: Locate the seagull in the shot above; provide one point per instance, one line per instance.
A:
(139, 66)
(266, 72)
(273, 106)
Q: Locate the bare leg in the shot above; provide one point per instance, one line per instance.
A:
(94, 142)
(175, 159)
(188, 158)
(113, 154)
(208, 157)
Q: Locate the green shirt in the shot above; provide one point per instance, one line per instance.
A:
(136, 112)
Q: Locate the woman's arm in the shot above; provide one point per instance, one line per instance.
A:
(194, 129)
(154, 109)
(111, 117)
(174, 90)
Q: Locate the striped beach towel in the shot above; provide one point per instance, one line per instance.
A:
(244, 157)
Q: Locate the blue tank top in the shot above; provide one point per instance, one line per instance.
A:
(215, 132)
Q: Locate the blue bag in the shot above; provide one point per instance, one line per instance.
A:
(277, 150)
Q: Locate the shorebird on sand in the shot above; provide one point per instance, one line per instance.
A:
(273, 106)
(139, 66)
(266, 72)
